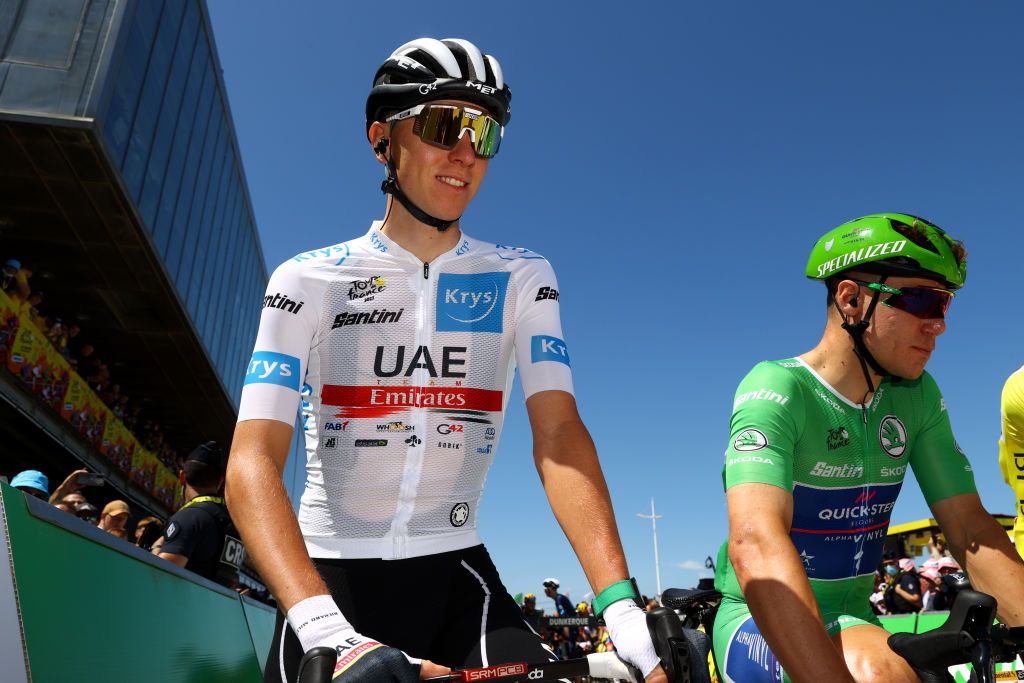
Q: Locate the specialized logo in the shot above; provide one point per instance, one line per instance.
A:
(459, 514)
(379, 401)
(450, 429)
(371, 443)
(545, 293)
(544, 348)
(750, 440)
(760, 395)
(451, 357)
(837, 438)
(828, 245)
(282, 302)
(844, 261)
(365, 290)
(414, 440)
(268, 367)
(845, 471)
(892, 435)
(377, 316)
(395, 427)
(473, 302)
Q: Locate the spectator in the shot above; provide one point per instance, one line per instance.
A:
(73, 347)
(32, 306)
(904, 594)
(200, 536)
(74, 500)
(930, 578)
(562, 604)
(147, 531)
(650, 604)
(115, 516)
(532, 615)
(33, 483)
(87, 512)
(937, 548)
(9, 276)
(71, 484)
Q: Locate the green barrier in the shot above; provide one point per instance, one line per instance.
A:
(900, 623)
(96, 608)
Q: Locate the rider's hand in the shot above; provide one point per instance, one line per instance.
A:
(318, 622)
(627, 626)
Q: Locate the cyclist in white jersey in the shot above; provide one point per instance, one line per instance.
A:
(400, 346)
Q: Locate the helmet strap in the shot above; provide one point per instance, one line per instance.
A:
(390, 186)
(856, 332)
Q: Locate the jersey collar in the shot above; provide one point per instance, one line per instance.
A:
(380, 242)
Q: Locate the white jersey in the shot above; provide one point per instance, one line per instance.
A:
(404, 370)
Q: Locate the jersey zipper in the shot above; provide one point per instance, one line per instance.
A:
(415, 452)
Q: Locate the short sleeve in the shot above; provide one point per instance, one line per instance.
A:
(274, 376)
(941, 468)
(764, 428)
(542, 355)
(183, 532)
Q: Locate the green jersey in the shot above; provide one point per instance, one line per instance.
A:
(844, 464)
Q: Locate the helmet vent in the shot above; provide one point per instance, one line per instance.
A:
(914, 233)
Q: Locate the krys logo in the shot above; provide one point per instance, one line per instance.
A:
(750, 440)
(892, 435)
(268, 367)
(473, 302)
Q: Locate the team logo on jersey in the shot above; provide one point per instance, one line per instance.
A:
(750, 440)
(486, 450)
(837, 438)
(365, 290)
(268, 367)
(473, 302)
(395, 427)
(414, 441)
(371, 443)
(489, 433)
(459, 514)
(892, 436)
(543, 347)
(547, 293)
(330, 442)
(278, 300)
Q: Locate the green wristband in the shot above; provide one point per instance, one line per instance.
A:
(619, 590)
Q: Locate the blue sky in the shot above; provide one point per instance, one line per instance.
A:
(675, 162)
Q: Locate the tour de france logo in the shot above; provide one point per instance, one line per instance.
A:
(892, 436)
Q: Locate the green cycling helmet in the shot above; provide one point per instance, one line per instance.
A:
(889, 244)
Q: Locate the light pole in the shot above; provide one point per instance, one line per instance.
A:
(654, 529)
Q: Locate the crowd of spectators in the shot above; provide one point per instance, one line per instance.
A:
(114, 518)
(66, 338)
(902, 588)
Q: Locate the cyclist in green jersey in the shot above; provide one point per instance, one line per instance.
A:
(818, 450)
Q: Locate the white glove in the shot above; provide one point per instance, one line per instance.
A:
(318, 622)
(627, 626)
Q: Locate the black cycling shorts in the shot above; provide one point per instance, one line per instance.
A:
(450, 608)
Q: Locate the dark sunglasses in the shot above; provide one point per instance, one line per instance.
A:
(921, 302)
(443, 125)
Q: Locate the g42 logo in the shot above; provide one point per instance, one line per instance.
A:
(450, 429)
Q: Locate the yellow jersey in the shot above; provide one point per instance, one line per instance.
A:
(1011, 448)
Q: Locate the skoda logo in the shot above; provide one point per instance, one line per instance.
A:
(459, 514)
(750, 440)
(892, 436)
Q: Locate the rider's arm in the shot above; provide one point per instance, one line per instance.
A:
(975, 539)
(775, 585)
(983, 549)
(260, 508)
(567, 463)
